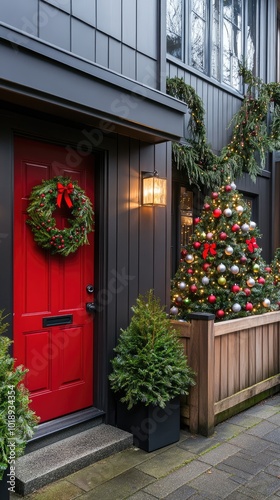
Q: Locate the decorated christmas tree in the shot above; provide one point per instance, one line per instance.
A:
(221, 270)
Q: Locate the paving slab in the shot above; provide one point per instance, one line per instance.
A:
(262, 429)
(105, 470)
(166, 462)
(264, 483)
(163, 487)
(219, 454)
(215, 482)
(250, 443)
(119, 487)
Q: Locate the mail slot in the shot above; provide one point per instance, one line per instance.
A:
(67, 319)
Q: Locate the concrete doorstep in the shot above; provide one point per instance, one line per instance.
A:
(57, 460)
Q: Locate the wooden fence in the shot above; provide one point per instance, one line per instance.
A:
(237, 363)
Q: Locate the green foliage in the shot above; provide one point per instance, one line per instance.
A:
(252, 133)
(223, 257)
(150, 366)
(17, 420)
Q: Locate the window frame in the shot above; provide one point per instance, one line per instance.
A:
(186, 38)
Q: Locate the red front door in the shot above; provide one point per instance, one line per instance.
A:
(59, 357)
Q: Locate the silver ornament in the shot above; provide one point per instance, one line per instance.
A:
(252, 225)
(236, 307)
(174, 311)
(221, 268)
(182, 285)
(239, 209)
(229, 250)
(189, 258)
(245, 228)
(227, 212)
(234, 269)
(233, 186)
(266, 302)
(250, 282)
(205, 280)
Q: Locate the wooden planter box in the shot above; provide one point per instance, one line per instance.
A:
(237, 363)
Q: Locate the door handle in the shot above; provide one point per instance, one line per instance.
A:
(90, 307)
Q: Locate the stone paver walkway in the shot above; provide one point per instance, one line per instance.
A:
(240, 461)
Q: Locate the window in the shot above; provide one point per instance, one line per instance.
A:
(213, 36)
(174, 28)
(198, 34)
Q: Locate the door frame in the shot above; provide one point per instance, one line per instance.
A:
(38, 129)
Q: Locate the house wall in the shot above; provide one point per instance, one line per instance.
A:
(112, 33)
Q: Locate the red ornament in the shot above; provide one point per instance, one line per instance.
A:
(206, 266)
(206, 206)
(214, 196)
(228, 188)
(223, 236)
(249, 306)
(247, 291)
(196, 220)
(235, 228)
(184, 252)
(261, 281)
(190, 271)
(267, 269)
(217, 212)
(212, 299)
(235, 288)
(193, 288)
(179, 301)
(196, 245)
(220, 313)
(243, 259)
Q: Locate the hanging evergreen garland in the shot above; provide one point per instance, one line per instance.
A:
(251, 134)
(44, 199)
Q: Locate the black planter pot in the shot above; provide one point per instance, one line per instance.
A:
(152, 427)
(4, 492)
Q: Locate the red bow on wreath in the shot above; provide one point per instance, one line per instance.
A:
(209, 247)
(251, 244)
(64, 191)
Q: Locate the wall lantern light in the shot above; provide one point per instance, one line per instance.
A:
(153, 189)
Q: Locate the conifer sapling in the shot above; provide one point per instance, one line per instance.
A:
(150, 366)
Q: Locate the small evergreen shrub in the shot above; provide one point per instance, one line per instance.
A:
(150, 366)
(17, 420)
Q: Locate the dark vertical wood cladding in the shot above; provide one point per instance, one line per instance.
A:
(102, 31)
(6, 221)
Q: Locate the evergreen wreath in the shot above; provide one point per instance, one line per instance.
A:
(252, 133)
(44, 199)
